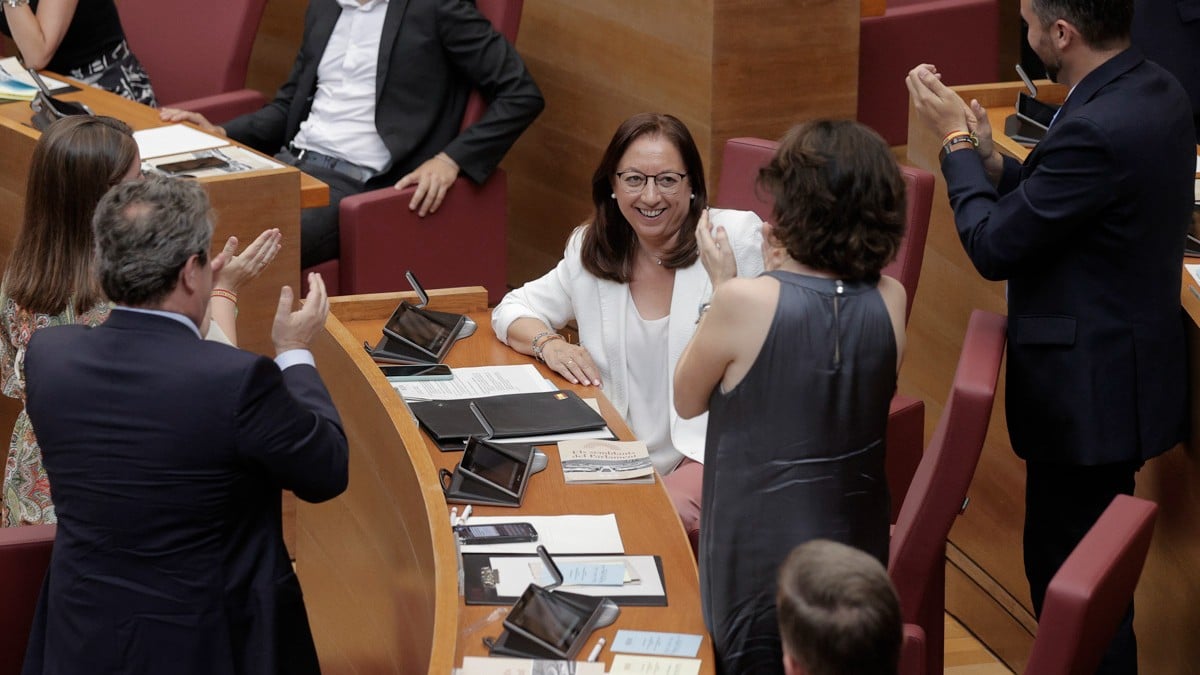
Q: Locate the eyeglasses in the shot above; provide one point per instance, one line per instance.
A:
(667, 182)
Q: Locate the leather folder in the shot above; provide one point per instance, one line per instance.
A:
(450, 423)
(536, 414)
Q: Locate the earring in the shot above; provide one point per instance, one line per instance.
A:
(612, 195)
(693, 195)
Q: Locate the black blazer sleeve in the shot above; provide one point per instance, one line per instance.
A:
(489, 62)
(293, 431)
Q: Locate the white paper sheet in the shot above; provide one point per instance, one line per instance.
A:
(1194, 270)
(491, 665)
(174, 139)
(477, 381)
(16, 71)
(559, 534)
(654, 665)
(517, 573)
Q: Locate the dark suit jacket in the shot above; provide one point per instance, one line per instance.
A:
(167, 454)
(432, 53)
(1089, 233)
(1168, 31)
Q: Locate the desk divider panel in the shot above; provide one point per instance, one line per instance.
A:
(379, 578)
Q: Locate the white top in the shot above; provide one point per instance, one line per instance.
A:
(341, 122)
(599, 308)
(649, 395)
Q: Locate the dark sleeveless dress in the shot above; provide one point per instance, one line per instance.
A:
(795, 452)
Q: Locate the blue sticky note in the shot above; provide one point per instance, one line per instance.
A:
(656, 644)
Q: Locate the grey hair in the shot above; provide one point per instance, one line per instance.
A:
(146, 230)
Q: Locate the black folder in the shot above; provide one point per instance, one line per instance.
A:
(450, 423)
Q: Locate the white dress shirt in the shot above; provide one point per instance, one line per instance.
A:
(341, 122)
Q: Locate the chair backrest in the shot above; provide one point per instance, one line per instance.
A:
(912, 651)
(24, 557)
(192, 49)
(505, 16)
(1091, 592)
(916, 562)
(737, 190)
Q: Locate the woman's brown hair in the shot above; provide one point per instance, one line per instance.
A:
(74, 163)
(839, 198)
(609, 242)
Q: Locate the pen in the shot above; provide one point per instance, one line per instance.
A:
(466, 514)
(596, 650)
(454, 516)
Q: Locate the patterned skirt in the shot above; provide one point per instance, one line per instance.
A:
(120, 72)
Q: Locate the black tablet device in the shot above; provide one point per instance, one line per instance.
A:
(498, 465)
(549, 619)
(429, 333)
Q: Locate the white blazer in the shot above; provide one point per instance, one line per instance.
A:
(599, 307)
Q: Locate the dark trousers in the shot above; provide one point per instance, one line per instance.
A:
(319, 239)
(1062, 502)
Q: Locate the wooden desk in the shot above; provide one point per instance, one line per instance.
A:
(378, 564)
(986, 588)
(245, 204)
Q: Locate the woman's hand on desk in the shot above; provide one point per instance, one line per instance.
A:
(177, 115)
(572, 362)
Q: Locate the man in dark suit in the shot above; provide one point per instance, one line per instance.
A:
(167, 454)
(1089, 233)
(376, 97)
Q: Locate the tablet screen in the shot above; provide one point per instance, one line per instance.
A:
(417, 328)
(484, 460)
(550, 619)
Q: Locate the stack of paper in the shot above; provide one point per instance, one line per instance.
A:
(599, 461)
(13, 89)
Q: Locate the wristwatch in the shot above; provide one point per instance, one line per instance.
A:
(16, 3)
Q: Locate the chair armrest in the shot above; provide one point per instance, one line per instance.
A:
(220, 108)
(463, 244)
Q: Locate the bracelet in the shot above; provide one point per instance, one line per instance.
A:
(222, 293)
(956, 132)
(539, 346)
(957, 138)
(13, 4)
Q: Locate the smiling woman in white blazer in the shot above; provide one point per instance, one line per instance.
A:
(635, 279)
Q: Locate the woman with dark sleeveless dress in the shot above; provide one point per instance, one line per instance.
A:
(797, 368)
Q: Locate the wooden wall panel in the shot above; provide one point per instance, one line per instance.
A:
(276, 45)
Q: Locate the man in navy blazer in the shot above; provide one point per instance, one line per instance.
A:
(167, 454)
(376, 97)
(1089, 234)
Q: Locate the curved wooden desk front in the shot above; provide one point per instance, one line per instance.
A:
(378, 564)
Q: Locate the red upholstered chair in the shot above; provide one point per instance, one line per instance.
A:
(912, 32)
(24, 557)
(917, 559)
(196, 53)
(1089, 595)
(912, 651)
(463, 244)
(906, 418)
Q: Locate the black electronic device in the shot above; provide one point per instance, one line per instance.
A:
(1034, 111)
(417, 373)
(489, 473)
(195, 164)
(551, 624)
(429, 333)
(47, 109)
(496, 533)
